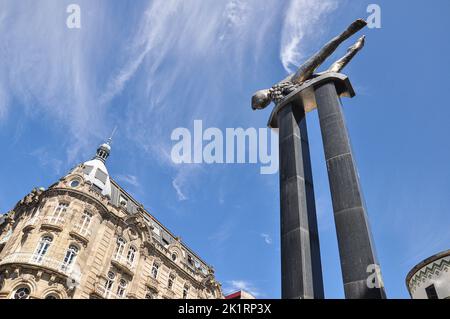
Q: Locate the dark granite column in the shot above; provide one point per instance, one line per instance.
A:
(356, 247)
(301, 271)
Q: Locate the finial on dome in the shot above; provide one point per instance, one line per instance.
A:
(104, 150)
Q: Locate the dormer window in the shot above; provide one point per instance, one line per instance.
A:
(123, 201)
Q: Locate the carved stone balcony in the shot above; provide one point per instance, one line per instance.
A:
(31, 224)
(152, 282)
(82, 233)
(53, 222)
(124, 264)
(102, 292)
(170, 294)
(37, 261)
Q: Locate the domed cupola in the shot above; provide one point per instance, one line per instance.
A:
(95, 170)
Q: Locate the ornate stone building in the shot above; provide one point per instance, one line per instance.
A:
(430, 279)
(86, 237)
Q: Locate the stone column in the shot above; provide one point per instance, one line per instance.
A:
(356, 247)
(301, 271)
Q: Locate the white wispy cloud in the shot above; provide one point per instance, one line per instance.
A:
(180, 195)
(267, 238)
(129, 179)
(46, 160)
(303, 23)
(235, 285)
(50, 69)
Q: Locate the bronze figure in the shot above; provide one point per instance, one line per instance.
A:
(263, 98)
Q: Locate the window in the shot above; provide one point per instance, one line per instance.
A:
(109, 281)
(52, 296)
(120, 247)
(122, 200)
(131, 255)
(88, 169)
(85, 222)
(155, 269)
(42, 248)
(171, 280)
(22, 293)
(59, 212)
(174, 257)
(150, 294)
(190, 260)
(185, 291)
(101, 175)
(71, 254)
(74, 183)
(431, 292)
(121, 288)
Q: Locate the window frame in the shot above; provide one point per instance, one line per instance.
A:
(42, 248)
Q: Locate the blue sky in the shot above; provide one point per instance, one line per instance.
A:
(152, 66)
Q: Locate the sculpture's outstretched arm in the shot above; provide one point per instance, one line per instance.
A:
(340, 64)
(307, 69)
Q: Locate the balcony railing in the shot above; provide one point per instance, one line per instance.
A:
(54, 221)
(124, 263)
(82, 232)
(101, 291)
(152, 282)
(37, 260)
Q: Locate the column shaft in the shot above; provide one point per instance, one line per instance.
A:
(356, 247)
(301, 271)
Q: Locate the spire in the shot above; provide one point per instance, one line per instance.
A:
(104, 150)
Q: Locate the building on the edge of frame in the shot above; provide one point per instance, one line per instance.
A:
(430, 279)
(86, 237)
(240, 294)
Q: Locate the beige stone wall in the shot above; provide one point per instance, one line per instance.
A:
(34, 217)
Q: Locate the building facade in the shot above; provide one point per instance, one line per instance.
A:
(86, 237)
(430, 279)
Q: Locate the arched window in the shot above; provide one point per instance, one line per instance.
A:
(85, 222)
(21, 293)
(121, 288)
(155, 269)
(71, 255)
(109, 282)
(185, 291)
(150, 294)
(131, 255)
(42, 248)
(171, 281)
(60, 212)
(120, 247)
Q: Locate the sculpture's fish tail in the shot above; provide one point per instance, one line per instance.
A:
(339, 65)
(308, 68)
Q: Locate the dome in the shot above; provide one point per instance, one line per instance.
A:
(95, 170)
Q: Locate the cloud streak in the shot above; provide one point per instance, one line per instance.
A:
(302, 24)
